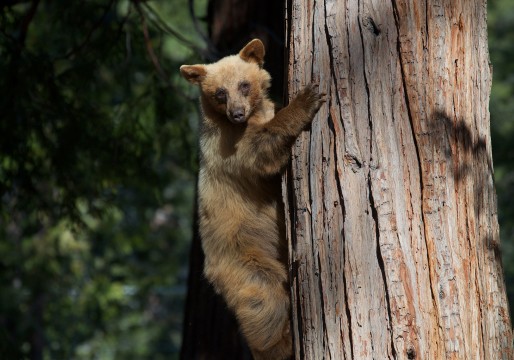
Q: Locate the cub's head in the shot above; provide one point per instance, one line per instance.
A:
(235, 85)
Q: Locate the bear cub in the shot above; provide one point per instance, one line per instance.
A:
(244, 147)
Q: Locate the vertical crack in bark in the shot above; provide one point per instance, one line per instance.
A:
(313, 38)
(338, 183)
(320, 283)
(310, 175)
(343, 246)
(482, 330)
(343, 205)
(381, 263)
(426, 24)
(294, 270)
(299, 316)
(323, 315)
(416, 145)
(287, 56)
(346, 304)
(372, 203)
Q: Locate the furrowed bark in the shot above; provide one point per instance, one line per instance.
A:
(393, 231)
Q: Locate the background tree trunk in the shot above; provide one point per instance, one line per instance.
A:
(210, 329)
(394, 242)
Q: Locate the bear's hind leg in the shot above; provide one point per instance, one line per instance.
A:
(263, 314)
(282, 350)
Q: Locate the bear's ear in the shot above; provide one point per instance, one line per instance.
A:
(193, 73)
(253, 52)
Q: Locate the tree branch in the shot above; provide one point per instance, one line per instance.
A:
(162, 25)
(149, 48)
(8, 3)
(148, 42)
(90, 33)
(25, 23)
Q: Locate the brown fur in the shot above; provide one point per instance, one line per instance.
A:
(241, 212)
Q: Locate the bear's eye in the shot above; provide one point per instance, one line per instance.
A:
(244, 87)
(221, 95)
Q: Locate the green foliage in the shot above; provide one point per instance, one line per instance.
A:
(97, 161)
(501, 47)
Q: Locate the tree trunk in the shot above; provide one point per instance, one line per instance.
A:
(393, 231)
(233, 23)
(210, 330)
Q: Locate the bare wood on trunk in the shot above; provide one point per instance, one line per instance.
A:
(394, 241)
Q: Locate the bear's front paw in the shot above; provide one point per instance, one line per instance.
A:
(310, 100)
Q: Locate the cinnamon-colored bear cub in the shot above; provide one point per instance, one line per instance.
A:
(244, 147)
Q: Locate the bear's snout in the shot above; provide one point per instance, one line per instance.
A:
(238, 115)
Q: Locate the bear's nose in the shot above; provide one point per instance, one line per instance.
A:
(238, 115)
